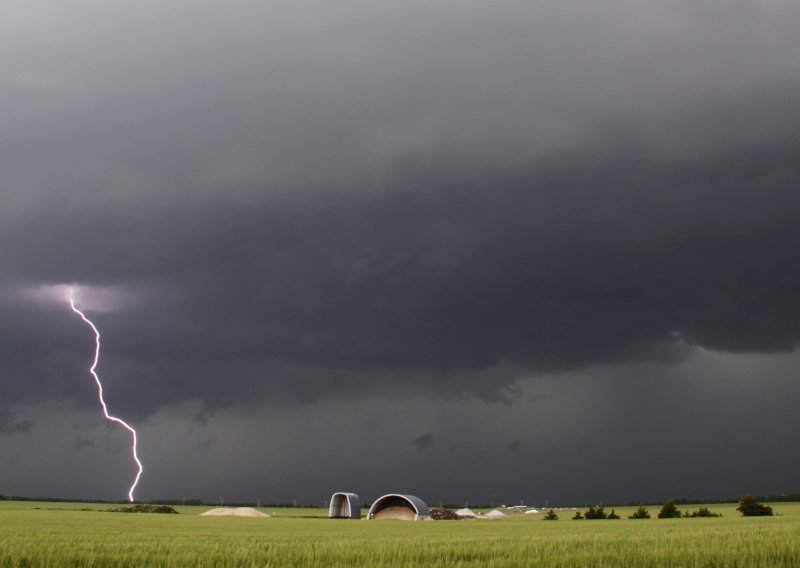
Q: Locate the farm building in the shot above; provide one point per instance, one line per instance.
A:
(403, 507)
(344, 506)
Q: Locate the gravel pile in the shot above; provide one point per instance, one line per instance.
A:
(234, 512)
(494, 514)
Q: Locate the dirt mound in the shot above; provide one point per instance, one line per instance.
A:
(396, 512)
(234, 512)
(145, 509)
(438, 514)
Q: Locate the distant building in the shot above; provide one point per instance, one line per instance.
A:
(402, 507)
(344, 506)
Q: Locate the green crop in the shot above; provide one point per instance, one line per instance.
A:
(60, 534)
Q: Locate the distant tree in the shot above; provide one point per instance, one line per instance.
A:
(640, 513)
(669, 511)
(704, 512)
(612, 515)
(577, 516)
(749, 507)
(550, 516)
(593, 513)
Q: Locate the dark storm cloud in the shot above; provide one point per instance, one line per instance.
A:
(422, 442)
(8, 428)
(569, 262)
(81, 443)
(316, 200)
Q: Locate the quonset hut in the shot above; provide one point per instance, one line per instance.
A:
(344, 506)
(403, 507)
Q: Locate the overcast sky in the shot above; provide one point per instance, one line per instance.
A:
(473, 251)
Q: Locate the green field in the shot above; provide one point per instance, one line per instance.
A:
(61, 534)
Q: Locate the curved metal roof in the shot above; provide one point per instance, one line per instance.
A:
(419, 506)
(346, 494)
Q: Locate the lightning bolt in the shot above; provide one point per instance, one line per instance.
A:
(108, 416)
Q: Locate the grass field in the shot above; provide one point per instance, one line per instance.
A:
(61, 534)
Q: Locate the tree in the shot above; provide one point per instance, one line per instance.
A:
(640, 513)
(612, 515)
(669, 511)
(550, 516)
(749, 507)
(577, 516)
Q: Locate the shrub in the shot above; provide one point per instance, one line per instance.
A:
(140, 508)
(612, 515)
(550, 516)
(669, 511)
(595, 513)
(749, 507)
(640, 513)
(577, 516)
(704, 512)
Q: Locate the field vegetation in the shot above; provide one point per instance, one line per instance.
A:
(83, 535)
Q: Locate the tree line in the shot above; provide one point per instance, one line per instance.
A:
(748, 507)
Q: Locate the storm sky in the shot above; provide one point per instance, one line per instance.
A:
(472, 251)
